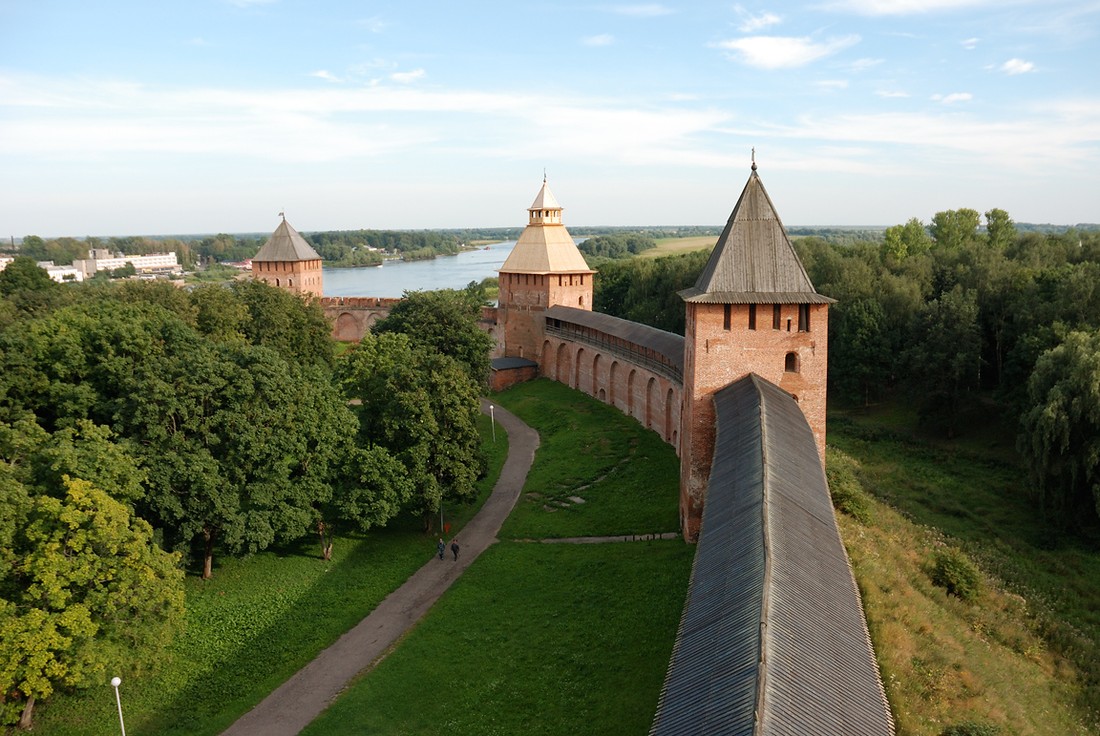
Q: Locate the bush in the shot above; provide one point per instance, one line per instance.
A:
(845, 489)
(971, 728)
(953, 571)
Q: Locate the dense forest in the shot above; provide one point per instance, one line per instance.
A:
(959, 316)
(145, 429)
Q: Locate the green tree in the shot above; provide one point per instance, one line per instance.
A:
(955, 228)
(1060, 431)
(1000, 229)
(87, 593)
(944, 358)
(239, 446)
(422, 407)
(910, 239)
(445, 320)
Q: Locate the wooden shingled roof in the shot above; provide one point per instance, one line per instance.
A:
(285, 244)
(772, 640)
(754, 261)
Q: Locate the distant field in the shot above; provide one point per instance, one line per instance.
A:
(671, 246)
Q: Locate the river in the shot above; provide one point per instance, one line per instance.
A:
(396, 277)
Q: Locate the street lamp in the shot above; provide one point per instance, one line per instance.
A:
(493, 422)
(115, 682)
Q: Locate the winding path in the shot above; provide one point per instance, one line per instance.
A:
(299, 700)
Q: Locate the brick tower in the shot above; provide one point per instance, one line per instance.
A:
(544, 269)
(753, 310)
(287, 261)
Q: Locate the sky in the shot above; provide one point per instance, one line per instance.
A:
(204, 116)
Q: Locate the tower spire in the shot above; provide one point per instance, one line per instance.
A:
(754, 158)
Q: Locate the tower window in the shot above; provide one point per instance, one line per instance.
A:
(790, 363)
(727, 316)
(803, 317)
(752, 316)
(777, 317)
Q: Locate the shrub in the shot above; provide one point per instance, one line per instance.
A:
(844, 487)
(971, 728)
(952, 570)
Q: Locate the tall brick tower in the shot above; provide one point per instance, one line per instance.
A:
(287, 261)
(544, 269)
(753, 310)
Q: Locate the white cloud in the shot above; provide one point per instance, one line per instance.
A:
(197, 41)
(891, 94)
(832, 84)
(862, 65)
(970, 44)
(408, 77)
(903, 7)
(755, 22)
(325, 74)
(249, 3)
(952, 98)
(374, 24)
(602, 39)
(784, 52)
(647, 10)
(1017, 66)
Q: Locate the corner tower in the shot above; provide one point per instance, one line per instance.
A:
(544, 269)
(752, 310)
(287, 261)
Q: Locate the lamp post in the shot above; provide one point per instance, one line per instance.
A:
(493, 422)
(115, 682)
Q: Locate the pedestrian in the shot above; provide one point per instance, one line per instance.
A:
(454, 547)
(441, 547)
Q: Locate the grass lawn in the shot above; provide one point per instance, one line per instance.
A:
(1024, 655)
(548, 638)
(626, 478)
(533, 639)
(672, 246)
(255, 623)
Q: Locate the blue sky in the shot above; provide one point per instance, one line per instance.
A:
(165, 116)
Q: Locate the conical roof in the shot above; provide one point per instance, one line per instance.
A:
(545, 246)
(754, 261)
(285, 244)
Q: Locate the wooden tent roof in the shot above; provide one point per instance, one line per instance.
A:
(285, 244)
(754, 261)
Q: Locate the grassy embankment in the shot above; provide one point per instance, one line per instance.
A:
(548, 638)
(1019, 655)
(259, 620)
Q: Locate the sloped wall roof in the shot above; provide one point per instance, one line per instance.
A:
(772, 640)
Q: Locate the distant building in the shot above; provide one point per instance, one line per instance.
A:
(288, 262)
(60, 274)
(101, 259)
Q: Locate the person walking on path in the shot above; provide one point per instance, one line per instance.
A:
(441, 547)
(454, 547)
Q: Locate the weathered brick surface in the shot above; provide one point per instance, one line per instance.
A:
(300, 277)
(523, 300)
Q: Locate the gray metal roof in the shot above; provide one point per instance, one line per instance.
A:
(667, 344)
(754, 261)
(772, 639)
(508, 363)
(285, 244)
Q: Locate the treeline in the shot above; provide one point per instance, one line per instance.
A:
(615, 246)
(962, 319)
(145, 429)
